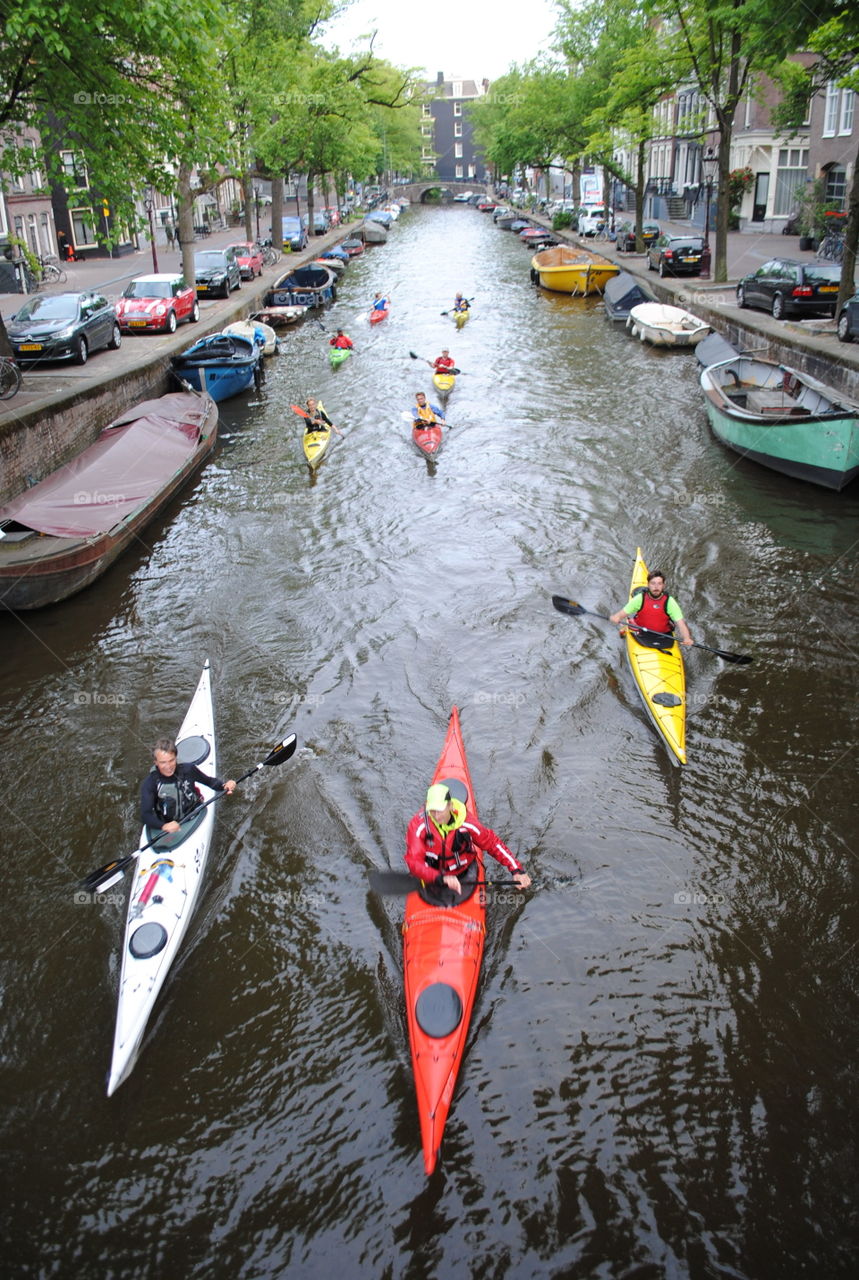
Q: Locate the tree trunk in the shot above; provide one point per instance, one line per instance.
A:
(276, 228)
(720, 269)
(639, 195)
(311, 179)
(185, 220)
(248, 193)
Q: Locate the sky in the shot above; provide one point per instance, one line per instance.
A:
(471, 39)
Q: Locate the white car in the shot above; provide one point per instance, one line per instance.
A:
(591, 219)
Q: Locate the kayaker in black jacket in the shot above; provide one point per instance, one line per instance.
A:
(168, 792)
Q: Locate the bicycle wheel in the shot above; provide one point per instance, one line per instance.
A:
(10, 379)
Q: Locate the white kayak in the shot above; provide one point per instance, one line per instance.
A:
(163, 894)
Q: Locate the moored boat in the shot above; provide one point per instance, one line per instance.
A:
(255, 331)
(308, 286)
(222, 365)
(564, 269)
(659, 674)
(374, 232)
(622, 293)
(163, 894)
(353, 246)
(666, 326)
(279, 317)
(442, 954)
(65, 531)
(337, 265)
(783, 419)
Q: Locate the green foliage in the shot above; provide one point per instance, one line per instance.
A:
(562, 220)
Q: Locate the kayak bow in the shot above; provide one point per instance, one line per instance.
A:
(442, 953)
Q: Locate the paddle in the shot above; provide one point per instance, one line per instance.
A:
(439, 422)
(447, 313)
(431, 365)
(401, 883)
(574, 610)
(103, 877)
(302, 413)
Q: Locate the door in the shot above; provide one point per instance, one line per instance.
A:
(762, 187)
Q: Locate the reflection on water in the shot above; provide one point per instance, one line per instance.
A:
(656, 1080)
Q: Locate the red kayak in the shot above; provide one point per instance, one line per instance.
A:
(378, 315)
(428, 439)
(442, 951)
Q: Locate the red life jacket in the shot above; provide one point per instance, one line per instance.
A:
(444, 363)
(653, 614)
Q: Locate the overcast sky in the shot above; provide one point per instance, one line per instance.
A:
(471, 39)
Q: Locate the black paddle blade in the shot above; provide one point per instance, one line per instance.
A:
(571, 607)
(739, 659)
(284, 751)
(397, 884)
(415, 355)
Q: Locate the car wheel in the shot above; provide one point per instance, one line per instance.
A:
(170, 326)
(227, 289)
(115, 339)
(741, 296)
(663, 271)
(81, 351)
(195, 312)
(844, 333)
(778, 307)
(649, 263)
(239, 283)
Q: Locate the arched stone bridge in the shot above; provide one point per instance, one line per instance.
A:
(416, 191)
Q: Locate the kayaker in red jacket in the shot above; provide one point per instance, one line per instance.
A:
(442, 363)
(442, 843)
(653, 608)
(341, 341)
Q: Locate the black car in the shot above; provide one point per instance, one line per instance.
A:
(63, 326)
(217, 272)
(789, 288)
(848, 321)
(626, 236)
(673, 255)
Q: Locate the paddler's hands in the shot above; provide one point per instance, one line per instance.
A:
(229, 786)
(170, 827)
(521, 879)
(452, 883)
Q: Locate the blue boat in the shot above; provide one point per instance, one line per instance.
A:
(224, 364)
(304, 287)
(380, 215)
(337, 252)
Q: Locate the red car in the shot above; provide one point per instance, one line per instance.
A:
(249, 258)
(156, 303)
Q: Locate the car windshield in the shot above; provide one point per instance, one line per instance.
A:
(292, 223)
(687, 242)
(822, 274)
(242, 250)
(210, 259)
(58, 307)
(149, 289)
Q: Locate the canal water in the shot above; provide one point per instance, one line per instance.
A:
(658, 1075)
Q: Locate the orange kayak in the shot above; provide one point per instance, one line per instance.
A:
(442, 952)
(428, 439)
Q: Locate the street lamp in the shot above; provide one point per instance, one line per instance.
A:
(148, 204)
(709, 164)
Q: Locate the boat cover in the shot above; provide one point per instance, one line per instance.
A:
(130, 461)
(714, 349)
(622, 293)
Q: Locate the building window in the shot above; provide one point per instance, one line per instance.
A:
(830, 110)
(74, 168)
(457, 128)
(791, 176)
(457, 108)
(457, 150)
(83, 228)
(836, 186)
(457, 89)
(425, 110)
(459, 170)
(848, 100)
(426, 130)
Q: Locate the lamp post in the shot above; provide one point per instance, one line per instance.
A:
(256, 204)
(709, 163)
(148, 203)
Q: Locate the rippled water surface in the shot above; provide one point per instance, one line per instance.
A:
(660, 1074)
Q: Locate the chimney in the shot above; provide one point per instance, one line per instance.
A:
(439, 77)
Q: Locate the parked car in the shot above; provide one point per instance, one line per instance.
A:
(153, 303)
(63, 326)
(790, 288)
(848, 321)
(650, 233)
(249, 257)
(321, 222)
(217, 271)
(592, 219)
(673, 255)
(294, 234)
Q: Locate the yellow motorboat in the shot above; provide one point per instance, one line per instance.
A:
(567, 270)
(660, 676)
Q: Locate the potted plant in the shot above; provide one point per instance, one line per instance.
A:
(810, 206)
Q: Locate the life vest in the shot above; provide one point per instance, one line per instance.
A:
(461, 304)
(175, 797)
(443, 363)
(456, 855)
(653, 614)
(424, 413)
(342, 343)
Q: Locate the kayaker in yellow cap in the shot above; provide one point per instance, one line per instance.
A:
(442, 843)
(654, 609)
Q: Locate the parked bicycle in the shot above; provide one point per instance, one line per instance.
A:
(270, 257)
(10, 378)
(831, 248)
(51, 272)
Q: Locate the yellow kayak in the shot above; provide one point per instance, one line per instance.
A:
(315, 444)
(443, 383)
(661, 679)
(460, 317)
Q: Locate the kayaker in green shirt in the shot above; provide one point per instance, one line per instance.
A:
(654, 609)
